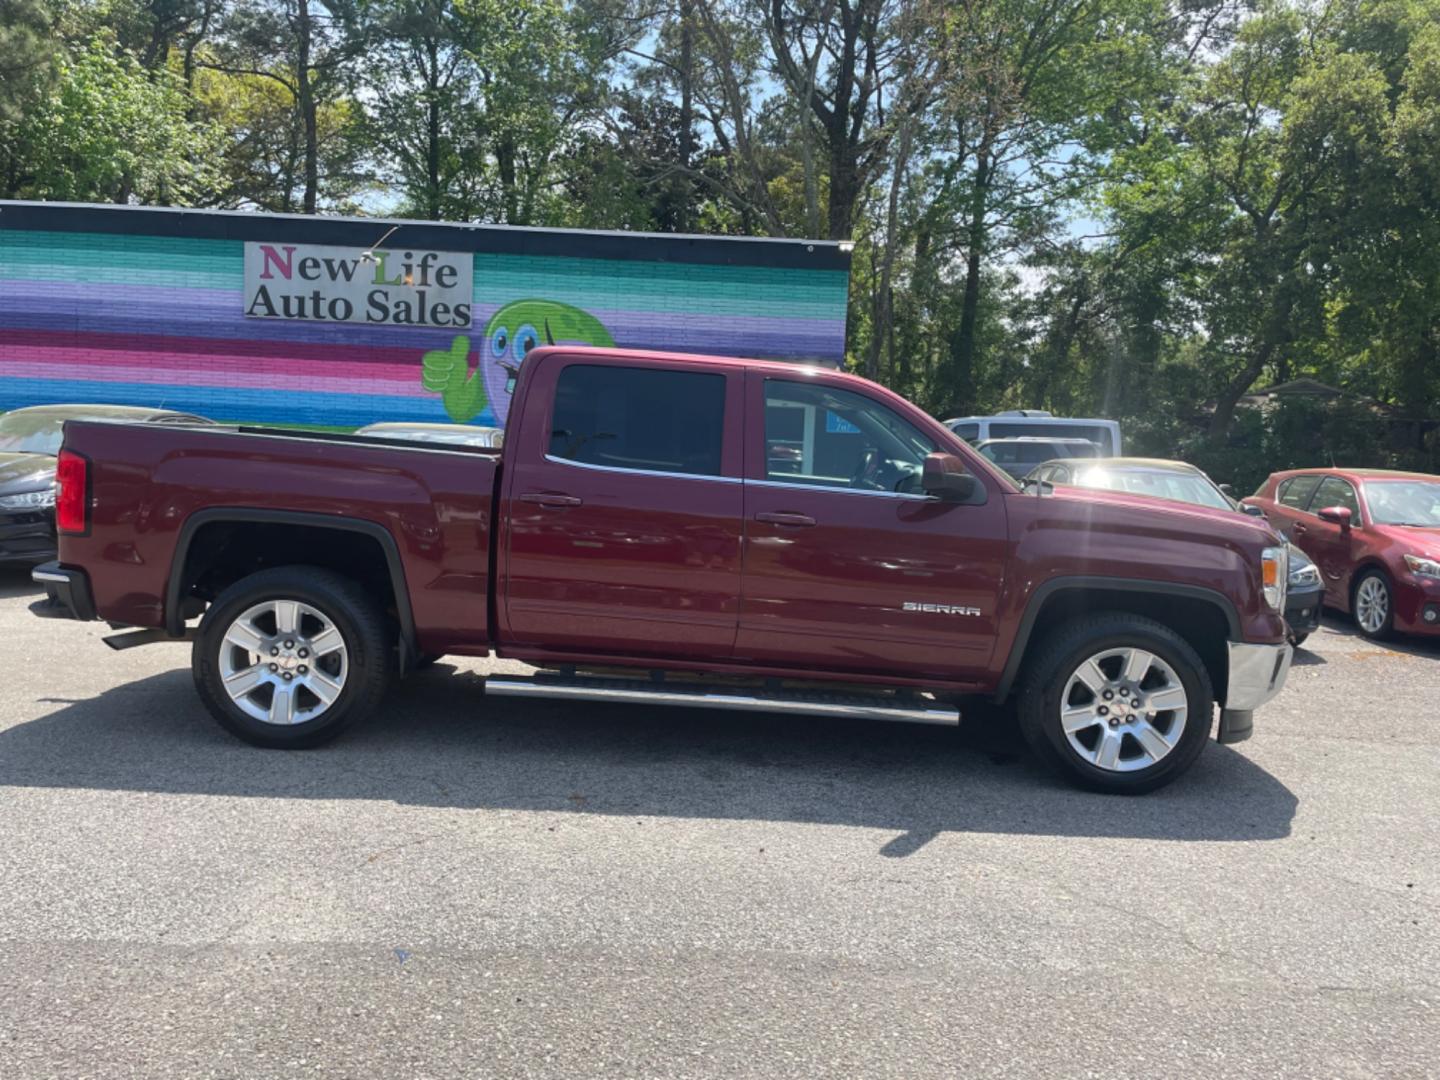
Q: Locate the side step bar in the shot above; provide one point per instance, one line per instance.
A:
(912, 708)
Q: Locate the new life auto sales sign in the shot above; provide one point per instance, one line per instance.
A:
(341, 284)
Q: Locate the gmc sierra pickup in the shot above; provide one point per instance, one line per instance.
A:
(677, 529)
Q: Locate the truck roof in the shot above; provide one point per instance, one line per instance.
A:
(696, 359)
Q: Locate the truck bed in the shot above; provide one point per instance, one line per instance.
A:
(150, 484)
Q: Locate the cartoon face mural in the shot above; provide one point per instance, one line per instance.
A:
(523, 325)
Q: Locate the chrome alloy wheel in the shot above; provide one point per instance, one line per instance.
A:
(1123, 709)
(1372, 604)
(283, 662)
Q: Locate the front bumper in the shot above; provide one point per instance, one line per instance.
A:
(1257, 674)
(67, 593)
(1302, 610)
(27, 536)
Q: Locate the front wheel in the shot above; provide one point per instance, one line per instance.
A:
(290, 657)
(1117, 703)
(1374, 606)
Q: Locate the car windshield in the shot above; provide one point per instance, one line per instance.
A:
(1162, 484)
(1404, 502)
(31, 433)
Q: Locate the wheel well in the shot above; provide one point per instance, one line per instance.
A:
(218, 553)
(1204, 624)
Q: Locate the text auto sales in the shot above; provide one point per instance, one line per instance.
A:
(333, 284)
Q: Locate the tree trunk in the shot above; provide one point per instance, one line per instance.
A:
(884, 305)
(432, 130)
(962, 342)
(685, 187)
(1234, 390)
(844, 192)
(505, 162)
(306, 102)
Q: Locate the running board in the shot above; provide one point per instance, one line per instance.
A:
(912, 708)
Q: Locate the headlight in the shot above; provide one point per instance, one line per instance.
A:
(1304, 576)
(1423, 567)
(1273, 570)
(29, 500)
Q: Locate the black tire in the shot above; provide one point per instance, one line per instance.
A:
(1386, 630)
(369, 648)
(1057, 658)
(1296, 640)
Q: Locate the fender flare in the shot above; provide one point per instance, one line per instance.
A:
(175, 626)
(1047, 589)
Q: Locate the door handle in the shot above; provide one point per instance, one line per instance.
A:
(1297, 528)
(783, 517)
(550, 500)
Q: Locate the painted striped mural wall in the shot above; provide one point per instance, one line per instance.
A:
(131, 314)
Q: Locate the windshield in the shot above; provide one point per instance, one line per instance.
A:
(1179, 486)
(1033, 453)
(1404, 502)
(31, 433)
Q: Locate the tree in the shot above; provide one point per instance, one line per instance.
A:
(110, 131)
(307, 47)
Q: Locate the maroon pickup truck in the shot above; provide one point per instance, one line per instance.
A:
(677, 529)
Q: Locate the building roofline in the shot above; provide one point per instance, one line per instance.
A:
(254, 225)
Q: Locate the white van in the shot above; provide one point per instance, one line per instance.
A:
(1037, 424)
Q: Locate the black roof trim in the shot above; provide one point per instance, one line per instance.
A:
(429, 235)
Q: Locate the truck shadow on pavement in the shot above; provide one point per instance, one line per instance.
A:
(441, 743)
(15, 581)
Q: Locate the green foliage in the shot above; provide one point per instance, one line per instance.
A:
(1142, 209)
(110, 131)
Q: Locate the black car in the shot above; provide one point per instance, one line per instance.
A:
(1184, 483)
(29, 441)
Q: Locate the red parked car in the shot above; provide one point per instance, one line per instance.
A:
(1374, 534)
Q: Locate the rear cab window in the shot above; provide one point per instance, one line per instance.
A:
(659, 420)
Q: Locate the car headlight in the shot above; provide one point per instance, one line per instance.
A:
(1273, 572)
(29, 500)
(1423, 567)
(1304, 576)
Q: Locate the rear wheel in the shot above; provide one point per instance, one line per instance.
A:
(1374, 606)
(290, 657)
(1117, 703)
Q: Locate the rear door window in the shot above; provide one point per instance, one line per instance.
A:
(1295, 492)
(647, 419)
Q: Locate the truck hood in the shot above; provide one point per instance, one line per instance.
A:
(1078, 531)
(1122, 506)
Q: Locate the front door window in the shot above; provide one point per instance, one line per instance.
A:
(826, 437)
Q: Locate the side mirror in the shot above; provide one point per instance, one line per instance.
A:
(1252, 510)
(944, 476)
(1336, 515)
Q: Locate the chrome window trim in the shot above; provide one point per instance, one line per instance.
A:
(842, 491)
(640, 472)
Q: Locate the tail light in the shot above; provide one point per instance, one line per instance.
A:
(72, 493)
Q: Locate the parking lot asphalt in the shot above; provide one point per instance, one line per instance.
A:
(501, 888)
